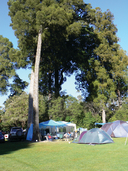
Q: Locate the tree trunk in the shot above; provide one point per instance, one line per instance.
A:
(36, 135)
(50, 91)
(103, 116)
(119, 98)
(56, 83)
(30, 112)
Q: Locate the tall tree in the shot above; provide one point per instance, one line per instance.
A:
(30, 110)
(109, 55)
(99, 75)
(36, 90)
(61, 21)
(26, 12)
(61, 47)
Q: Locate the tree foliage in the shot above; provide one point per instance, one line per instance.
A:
(99, 77)
(65, 108)
(75, 38)
(62, 22)
(16, 111)
(1, 113)
(8, 68)
(6, 65)
(65, 27)
(17, 86)
(43, 108)
(122, 113)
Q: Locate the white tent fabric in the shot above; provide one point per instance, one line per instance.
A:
(52, 125)
(69, 124)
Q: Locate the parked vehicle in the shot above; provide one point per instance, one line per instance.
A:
(16, 133)
(2, 139)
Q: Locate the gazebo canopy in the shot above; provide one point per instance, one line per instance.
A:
(51, 123)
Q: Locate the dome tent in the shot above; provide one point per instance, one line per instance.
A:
(95, 136)
(116, 129)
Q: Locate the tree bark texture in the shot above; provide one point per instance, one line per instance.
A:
(103, 116)
(36, 135)
(50, 91)
(30, 112)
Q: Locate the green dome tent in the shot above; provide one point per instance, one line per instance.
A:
(95, 136)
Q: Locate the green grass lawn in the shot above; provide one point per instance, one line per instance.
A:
(62, 156)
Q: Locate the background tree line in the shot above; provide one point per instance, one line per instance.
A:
(67, 108)
(75, 39)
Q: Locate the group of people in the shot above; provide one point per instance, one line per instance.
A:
(68, 135)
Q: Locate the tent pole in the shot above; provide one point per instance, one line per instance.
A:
(126, 139)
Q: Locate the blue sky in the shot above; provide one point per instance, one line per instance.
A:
(117, 7)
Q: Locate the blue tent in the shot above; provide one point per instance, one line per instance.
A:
(30, 133)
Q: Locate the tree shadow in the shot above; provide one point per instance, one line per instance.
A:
(9, 147)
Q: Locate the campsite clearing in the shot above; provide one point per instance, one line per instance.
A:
(61, 155)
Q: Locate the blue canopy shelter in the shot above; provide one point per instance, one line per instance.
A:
(51, 125)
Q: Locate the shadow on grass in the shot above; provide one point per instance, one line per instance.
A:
(9, 147)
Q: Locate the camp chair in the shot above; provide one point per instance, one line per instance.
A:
(61, 136)
(58, 135)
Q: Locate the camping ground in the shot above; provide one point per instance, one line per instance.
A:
(62, 155)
